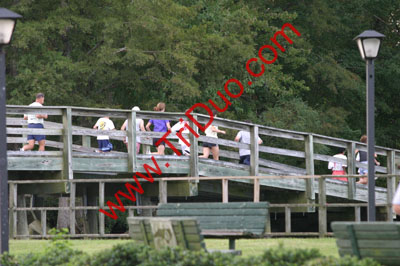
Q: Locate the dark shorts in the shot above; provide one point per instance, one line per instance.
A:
(104, 145)
(209, 145)
(155, 141)
(36, 137)
(245, 159)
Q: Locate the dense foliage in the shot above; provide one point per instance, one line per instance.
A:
(124, 53)
(59, 253)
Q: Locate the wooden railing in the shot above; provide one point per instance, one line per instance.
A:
(322, 204)
(259, 165)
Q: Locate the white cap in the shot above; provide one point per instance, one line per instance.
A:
(136, 108)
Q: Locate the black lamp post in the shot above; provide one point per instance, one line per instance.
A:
(368, 43)
(8, 20)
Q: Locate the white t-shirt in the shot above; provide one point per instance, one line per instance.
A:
(138, 121)
(32, 119)
(396, 198)
(244, 137)
(178, 127)
(337, 166)
(210, 133)
(104, 124)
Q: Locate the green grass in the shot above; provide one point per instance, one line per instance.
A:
(249, 247)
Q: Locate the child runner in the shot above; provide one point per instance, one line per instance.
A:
(339, 168)
(104, 123)
(212, 132)
(159, 126)
(139, 127)
(362, 157)
(176, 128)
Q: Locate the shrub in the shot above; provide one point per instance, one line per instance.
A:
(284, 256)
(59, 252)
(345, 261)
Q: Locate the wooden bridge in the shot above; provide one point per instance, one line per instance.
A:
(70, 156)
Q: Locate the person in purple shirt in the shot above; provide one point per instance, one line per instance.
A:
(159, 126)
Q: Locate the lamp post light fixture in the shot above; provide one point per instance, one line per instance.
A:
(369, 43)
(8, 20)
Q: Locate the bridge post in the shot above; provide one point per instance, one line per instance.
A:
(322, 212)
(162, 187)
(194, 150)
(101, 205)
(72, 195)
(131, 133)
(67, 172)
(254, 151)
(391, 183)
(309, 154)
(351, 170)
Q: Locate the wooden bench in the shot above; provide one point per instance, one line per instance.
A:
(377, 240)
(223, 220)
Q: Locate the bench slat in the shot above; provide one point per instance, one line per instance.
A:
(382, 244)
(368, 235)
(212, 212)
(215, 205)
(383, 226)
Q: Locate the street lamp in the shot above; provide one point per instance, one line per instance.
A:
(368, 43)
(8, 20)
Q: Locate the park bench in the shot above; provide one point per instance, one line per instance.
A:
(377, 240)
(223, 220)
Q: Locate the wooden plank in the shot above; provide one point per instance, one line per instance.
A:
(330, 141)
(33, 131)
(43, 221)
(212, 212)
(279, 151)
(86, 142)
(351, 170)
(34, 164)
(12, 212)
(256, 197)
(254, 151)
(377, 244)
(309, 154)
(72, 197)
(180, 235)
(194, 147)
(162, 192)
(101, 205)
(131, 133)
(225, 191)
(353, 240)
(288, 220)
(215, 205)
(391, 184)
(34, 153)
(95, 132)
(67, 172)
(322, 209)
(357, 214)
(281, 166)
(19, 110)
(275, 132)
(367, 226)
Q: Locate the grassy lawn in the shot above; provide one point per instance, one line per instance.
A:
(249, 247)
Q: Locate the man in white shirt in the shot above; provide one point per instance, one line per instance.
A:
(36, 121)
(104, 123)
(244, 137)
